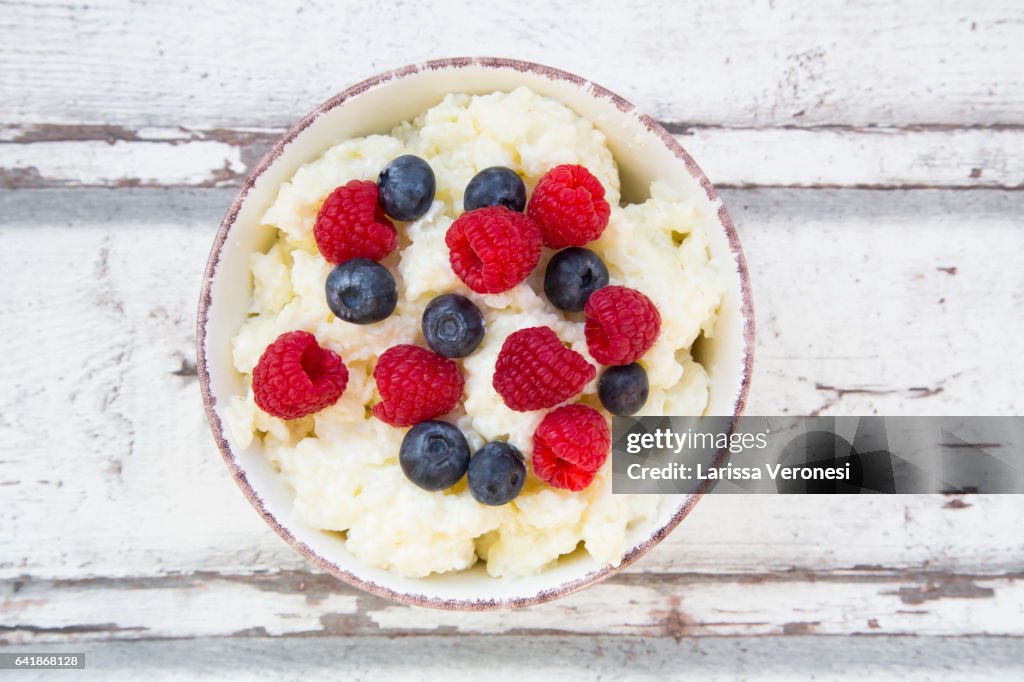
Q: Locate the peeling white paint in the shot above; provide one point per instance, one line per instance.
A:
(99, 163)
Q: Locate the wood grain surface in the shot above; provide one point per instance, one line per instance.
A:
(733, 62)
(870, 155)
(514, 658)
(824, 157)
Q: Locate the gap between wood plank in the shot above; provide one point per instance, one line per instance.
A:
(319, 583)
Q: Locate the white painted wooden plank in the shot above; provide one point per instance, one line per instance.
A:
(859, 158)
(885, 303)
(102, 164)
(103, 430)
(102, 156)
(650, 606)
(515, 658)
(765, 62)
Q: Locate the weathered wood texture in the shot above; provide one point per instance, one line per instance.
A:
(113, 319)
(111, 156)
(517, 658)
(663, 605)
(740, 62)
(869, 153)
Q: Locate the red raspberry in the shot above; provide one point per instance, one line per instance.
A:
(535, 370)
(295, 376)
(493, 249)
(569, 446)
(415, 385)
(351, 224)
(569, 205)
(621, 325)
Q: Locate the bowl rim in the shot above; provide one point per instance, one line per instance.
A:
(205, 302)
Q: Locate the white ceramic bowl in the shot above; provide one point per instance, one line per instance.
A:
(644, 152)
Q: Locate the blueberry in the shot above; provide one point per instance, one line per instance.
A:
(453, 326)
(623, 389)
(497, 472)
(572, 275)
(361, 291)
(495, 186)
(434, 455)
(406, 187)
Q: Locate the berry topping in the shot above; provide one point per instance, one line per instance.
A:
(569, 446)
(572, 275)
(497, 472)
(351, 224)
(535, 370)
(493, 249)
(495, 186)
(415, 385)
(434, 455)
(569, 205)
(407, 187)
(295, 376)
(361, 291)
(453, 326)
(622, 324)
(623, 390)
